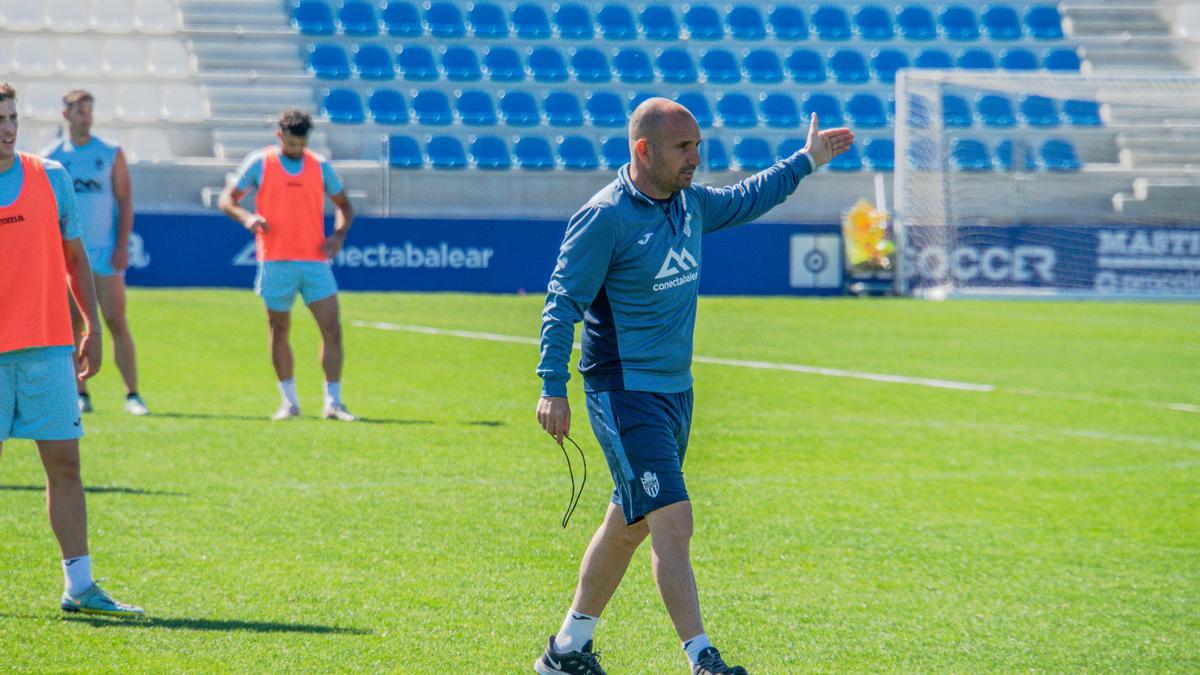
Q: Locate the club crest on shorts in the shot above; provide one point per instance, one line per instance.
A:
(650, 484)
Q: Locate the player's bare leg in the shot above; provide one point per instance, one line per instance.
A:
(110, 292)
(328, 317)
(280, 324)
(65, 501)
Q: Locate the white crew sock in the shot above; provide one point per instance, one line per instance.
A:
(576, 630)
(77, 575)
(333, 393)
(288, 389)
(696, 645)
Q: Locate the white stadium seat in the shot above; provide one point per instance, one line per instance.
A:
(168, 58)
(138, 103)
(185, 103)
(41, 101)
(112, 16)
(34, 136)
(124, 57)
(67, 16)
(22, 15)
(149, 145)
(104, 107)
(5, 57)
(79, 57)
(33, 56)
(156, 16)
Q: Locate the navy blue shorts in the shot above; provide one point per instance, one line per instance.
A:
(644, 436)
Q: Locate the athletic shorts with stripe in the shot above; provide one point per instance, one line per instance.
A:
(37, 395)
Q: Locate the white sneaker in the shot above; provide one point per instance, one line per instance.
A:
(134, 405)
(85, 403)
(286, 411)
(337, 411)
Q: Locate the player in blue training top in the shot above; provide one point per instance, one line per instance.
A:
(105, 197)
(629, 268)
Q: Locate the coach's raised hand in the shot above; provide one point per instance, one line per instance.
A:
(823, 146)
(554, 414)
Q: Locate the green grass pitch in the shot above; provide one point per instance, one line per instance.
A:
(843, 525)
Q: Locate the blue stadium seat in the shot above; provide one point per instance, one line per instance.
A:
(916, 23)
(503, 64)
(849, 67)
(880, 154)
(590, 65)
(873, 22)
(446, 152)
(1044, 22)
(933, 58)
(404, 153)
(720, 66)
(763, 67)
(788, 23)
(432, 108)
(1059, 155)
(831, 23)
(416, 63)
(956, 112)
(402, 20)
(373, 62)
(866, 111)
(1015, 155)
(358, 19)
(976, 59)
(1082, 113)
(806, 66)
(562, 109)
(328, 62)
(736, 111)
(547, 64)
(605, 109)
(959, 23)
(487, 21)
(387, 107)
(460, 64)
(968, 154)
(475, 108)
(746, 23)
(637, 98)
(703, 23)
(578, 154)
(490, 153)
(616, 22)
(885, 63)
(519, 109)
(675, 66)
(713, 155)
(996, 111)
(533, 152)
(531, 22)
(779, 111)
(789, 146)
(1018, 59)
(1001, 22)
(923, 155)
(615, 152)
(574, 22)
(1039, 111)
(444, 20)
(342, 106)
(314, 17)
(850, 160)
(633, 66)
(827, 108)
(658, 23)
(753, 154)
(696, 104)
(1063, 60)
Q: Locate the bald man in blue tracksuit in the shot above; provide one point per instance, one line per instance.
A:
(629, 268)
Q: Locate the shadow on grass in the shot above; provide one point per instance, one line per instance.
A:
(223, 625)
(98, 489)
(264, 418)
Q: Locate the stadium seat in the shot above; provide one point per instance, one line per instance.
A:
(168, 58)
(503, 64)
(402, 20)
(849, 67)
(158, 17)
(562, 109)
(637, 98)
(763, 67)
(416, 63)
(675, 66)
(850, 160)
(404, 153)
(475, 108)
(81, 60)
(805, 66)
(1015, 155)
(578, 154)
(703, 23)
(460, 64)
(831, 23)
(490, 153)
(827, 108)
(1082, 113)
(487, 21)
(181, 102)
(880, 154)
(590, 65)
(923, 155)
(547, 64)
(446, 152)
(996, 111)
(959, 23)
(720, 66)
(633, 66)
(779, 111)
(444, 20)
(753, 154)
(956, 112)
(1039, 111)
(311, 17)
(746, 23)
(968, 154)
(1062, 60)
(574, 22)
(531, 22)
(933, 58)
(1059, 155)
(342, 106)
(866, 111)
(885, 63)
(736, 111)
(23, 16)
(1001, 22)
(150, 145)
(788, 23)
(615, 152)
(713, 155)
(697, 104)
(789, 146)
(328, 62)
(519, 109)
(387, 107)
(533, 152)
(432, 108)
(62, 16)
(1044, 22)
(658, 23)
(872, 22)
(976, 59)
(357, 19)
(122, 57)
(605, 109)
(916, 23)
(373, 62)
(616, 22)
(1018, 59)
